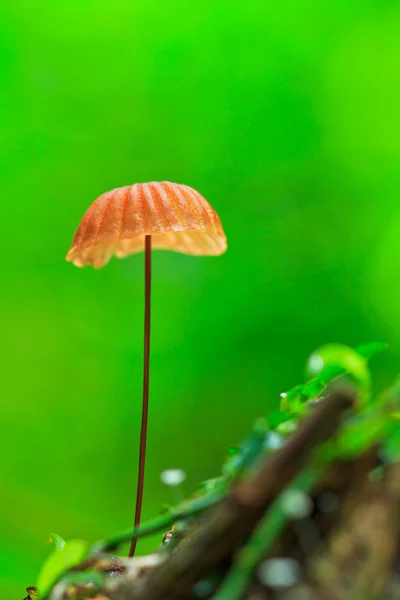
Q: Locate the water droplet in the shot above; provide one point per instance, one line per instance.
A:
(296, 504)
(173, 476)
(273, 441)
(279, 572)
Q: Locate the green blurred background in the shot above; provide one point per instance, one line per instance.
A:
(286, 117)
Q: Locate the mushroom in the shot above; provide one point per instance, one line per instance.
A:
(162, 215)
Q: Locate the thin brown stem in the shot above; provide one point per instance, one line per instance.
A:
(145, 407)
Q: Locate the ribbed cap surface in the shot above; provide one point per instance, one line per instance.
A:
(176, 215)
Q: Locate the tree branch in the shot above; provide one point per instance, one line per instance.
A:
(227, 525)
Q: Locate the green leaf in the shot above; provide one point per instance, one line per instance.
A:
(369, 350)
(332, 360)
(294, 400)
(59, 542)
(339, 357)
(59, 561)
(326, 364)
(277, 417)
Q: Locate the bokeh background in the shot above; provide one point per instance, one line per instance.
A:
(285, 115)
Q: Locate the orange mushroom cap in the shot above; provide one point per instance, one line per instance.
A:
(175, 215)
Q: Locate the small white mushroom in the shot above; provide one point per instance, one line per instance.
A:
(173, 477)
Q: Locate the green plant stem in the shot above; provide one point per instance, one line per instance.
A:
(185, 510)
(262, 540)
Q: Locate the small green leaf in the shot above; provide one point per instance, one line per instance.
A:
(369, 350)
(326, 364)
(294, 400)
(333, 360)
(277, 417)
(59, 542)
(58, 562)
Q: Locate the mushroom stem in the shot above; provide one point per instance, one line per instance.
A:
(145, 406)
